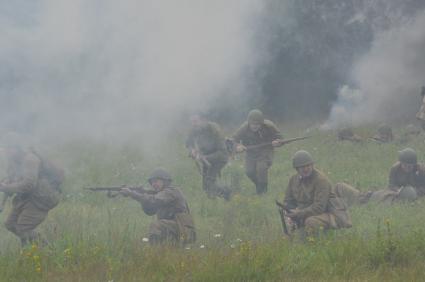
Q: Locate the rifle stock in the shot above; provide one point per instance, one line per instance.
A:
(282, 211)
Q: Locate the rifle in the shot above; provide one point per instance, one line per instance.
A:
(109, 190)
(281, 143)
(282, 211)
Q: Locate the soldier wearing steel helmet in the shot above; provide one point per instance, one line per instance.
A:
(174, 223)
(206, 145)
(407, 172)
(311, 200)
(257, 130)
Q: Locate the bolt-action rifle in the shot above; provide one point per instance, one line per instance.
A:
(117, 189)
(282, 210)
(281, 143)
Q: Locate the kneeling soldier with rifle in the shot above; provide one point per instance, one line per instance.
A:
(174, 222)
(310, 200)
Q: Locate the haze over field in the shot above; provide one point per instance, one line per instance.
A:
(107, 68)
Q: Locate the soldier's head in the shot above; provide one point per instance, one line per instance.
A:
(303, 162)
(407, 193)
(408, 159)
(255, 120)
(160, 179)
(198, 120)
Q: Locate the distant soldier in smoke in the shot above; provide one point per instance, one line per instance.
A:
(174, 222)
(407, 172)
(206, 145)
(421, 114)
(256, 131)
(406, 182)
(347, 134)
(310, 200)
(35, 182)
(384, 134)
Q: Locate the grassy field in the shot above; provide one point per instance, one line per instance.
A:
(94, 238)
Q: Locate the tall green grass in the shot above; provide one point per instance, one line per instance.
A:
(94, 238)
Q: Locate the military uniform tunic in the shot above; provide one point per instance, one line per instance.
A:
(174, 222)
(259, 160)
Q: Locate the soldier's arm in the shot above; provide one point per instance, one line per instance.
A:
(29, 179)
(320, 202)
(152, 202)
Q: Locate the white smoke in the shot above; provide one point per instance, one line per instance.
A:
(387, 79)
(109, 67)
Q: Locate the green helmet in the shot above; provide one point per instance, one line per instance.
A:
(408, 156)
(407, 193)
(255, 116)
(385, 130)
(302, 158)
(160, 173)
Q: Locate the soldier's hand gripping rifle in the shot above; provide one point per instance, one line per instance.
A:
(109, 190)
(287, 230)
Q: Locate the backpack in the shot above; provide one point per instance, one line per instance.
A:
(51, 176)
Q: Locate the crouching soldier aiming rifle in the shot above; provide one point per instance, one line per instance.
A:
(174, 223)
(310, 199)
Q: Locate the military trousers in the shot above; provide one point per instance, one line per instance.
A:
(210, 175)
(24, 218)
(257, 170)
(163, 231)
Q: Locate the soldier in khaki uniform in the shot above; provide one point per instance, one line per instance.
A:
(36, 192)
(206, 145)
(310, 198)
(347, 134)
(255, 131)
(174, 223)
(384, 134)
(353, 196)
(407, 172)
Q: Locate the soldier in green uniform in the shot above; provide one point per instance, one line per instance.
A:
(35, 189)
(258, 160)
(174, 223)
(206, 145)
(353, 196)
(407, 172)
(347, 134)
(310, 199)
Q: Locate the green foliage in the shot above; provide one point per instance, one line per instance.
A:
(94, 238)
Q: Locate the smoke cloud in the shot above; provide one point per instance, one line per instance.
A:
(385, 82)
(105, 68)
